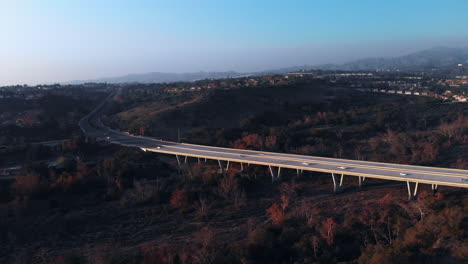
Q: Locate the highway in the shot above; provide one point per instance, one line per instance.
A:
(92, 126)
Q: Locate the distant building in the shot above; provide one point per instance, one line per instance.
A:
(10, 171)
(460, 98)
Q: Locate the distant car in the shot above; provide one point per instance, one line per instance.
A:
(158, 147)
(305, 163)
(261, 154)
(342, 168)
(241, 156)
(403, 174)
(107, 138)
(464, 179)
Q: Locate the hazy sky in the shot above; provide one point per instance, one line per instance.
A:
(43, 41)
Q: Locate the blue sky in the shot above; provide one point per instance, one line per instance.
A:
(43, 41)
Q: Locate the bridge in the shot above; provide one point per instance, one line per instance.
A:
(91, 125)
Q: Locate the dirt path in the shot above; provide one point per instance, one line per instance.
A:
(164, 109)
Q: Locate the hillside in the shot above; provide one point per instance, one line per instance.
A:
(116, 205)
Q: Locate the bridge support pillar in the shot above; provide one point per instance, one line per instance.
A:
(227, 166)
(275, 174)
(361, 180)
(242, 167)
(221, 167)
(299, 172)
(337, 188)
(412, 195)
(434, 188)
(178, 161)
(184, 165)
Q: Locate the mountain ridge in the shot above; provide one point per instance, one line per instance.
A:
(436, 57)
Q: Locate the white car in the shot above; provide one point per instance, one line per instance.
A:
(158, 147)
(403, 174)
(107, 138)
(342, 168)
(305, 163)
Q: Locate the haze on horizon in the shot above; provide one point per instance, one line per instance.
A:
(56, 41)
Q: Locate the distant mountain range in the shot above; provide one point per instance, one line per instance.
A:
(427, 59)
(437, 57)
(161, 77)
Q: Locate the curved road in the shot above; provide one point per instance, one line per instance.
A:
(92, 126)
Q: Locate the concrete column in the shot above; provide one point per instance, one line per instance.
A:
(412, 195)
(299, 172)
(221, 167)
(275, 174)
(334, 182)
(337, 186)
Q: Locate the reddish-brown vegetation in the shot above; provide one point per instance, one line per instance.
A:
(276, 214)
(179, 199)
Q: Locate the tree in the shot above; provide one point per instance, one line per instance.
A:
(327, 230)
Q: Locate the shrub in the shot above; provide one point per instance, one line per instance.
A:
(276, 214)
(153, 253)
(179, 199)
(202, 208)
(141, 193)
(205, 246)
(228, 185)
(288, 193)
(28, 185)
(327, 230)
